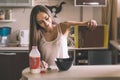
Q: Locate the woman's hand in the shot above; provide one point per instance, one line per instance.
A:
(44, 64)
(92, 24)
(44, 67)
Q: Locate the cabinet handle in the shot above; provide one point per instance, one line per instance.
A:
(7, 53)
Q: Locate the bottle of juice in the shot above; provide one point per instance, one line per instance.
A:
(34, 60)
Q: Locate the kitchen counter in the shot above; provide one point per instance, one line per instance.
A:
(25, 49)
(14, 49)
(115, 44)
(91, 72)
(116, 49)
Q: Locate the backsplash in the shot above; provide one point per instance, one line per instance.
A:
(69, 12)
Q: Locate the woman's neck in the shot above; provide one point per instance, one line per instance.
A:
(49, 30)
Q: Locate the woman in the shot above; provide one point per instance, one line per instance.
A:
(50, 37)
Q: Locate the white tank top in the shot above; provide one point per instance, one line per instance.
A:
(54, 49)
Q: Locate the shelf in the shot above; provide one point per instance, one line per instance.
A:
(7, 20)
(86, 39)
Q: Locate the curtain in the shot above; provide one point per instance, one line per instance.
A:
(109, 16)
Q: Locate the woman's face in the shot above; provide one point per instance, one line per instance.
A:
(44, 20)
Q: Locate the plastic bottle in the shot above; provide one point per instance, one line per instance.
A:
(34, 60)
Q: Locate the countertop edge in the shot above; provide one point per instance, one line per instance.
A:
(14, 49)
(115, 44)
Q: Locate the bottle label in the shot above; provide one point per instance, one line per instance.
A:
(34, 62)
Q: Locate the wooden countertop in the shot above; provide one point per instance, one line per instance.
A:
(26, 48)
(14, 49)
(91, 72)
(115, 44)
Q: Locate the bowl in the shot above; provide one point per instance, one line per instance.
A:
(64, 59)
(13, 44)
(64, 64)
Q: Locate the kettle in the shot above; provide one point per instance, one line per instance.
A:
(24, 37)
(4, 35)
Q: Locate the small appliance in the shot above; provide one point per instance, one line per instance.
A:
(24, 37)
(4, 35)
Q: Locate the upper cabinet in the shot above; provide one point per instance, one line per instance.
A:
(91, 3)
(16, 3)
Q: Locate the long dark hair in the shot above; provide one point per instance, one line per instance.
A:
(34, 27)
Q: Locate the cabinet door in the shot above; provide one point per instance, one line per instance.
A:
(7, 66)
(90, 2)
(22, 61)
(81, 57)
(12, 64)
(3, 1)
(24, 3)
(7, 2)
(16, 3)
(100, 57)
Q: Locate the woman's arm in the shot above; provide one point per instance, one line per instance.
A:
(89, 24)
(92, 24)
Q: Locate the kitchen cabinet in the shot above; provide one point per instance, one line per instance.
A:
(118, 28)
(82, 38)
(80, 57)
(94, 3)
(7, 66)
(91, 57)
(16, 3)
(115, 46)
(11, 65)
(45, 2)
(100, 57)
(88, 44)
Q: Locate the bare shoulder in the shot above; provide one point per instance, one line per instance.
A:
(64, 27)
(65, 24)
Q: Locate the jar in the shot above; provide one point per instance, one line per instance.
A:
(8, 14)
(2, 15)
